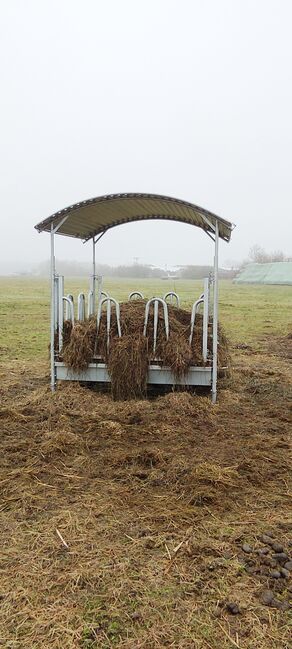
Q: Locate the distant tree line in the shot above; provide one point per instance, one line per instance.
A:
(77, 269)
(198, 272)
(257, 254)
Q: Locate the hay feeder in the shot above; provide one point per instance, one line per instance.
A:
(89, 220)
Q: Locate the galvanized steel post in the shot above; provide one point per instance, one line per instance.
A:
(215, 318)
(93, 274)
(52, 350)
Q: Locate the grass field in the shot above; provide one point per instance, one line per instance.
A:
(247, 312)
(139, 525)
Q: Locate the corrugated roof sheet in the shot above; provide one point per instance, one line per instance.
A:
(96, 215)
(277, 272)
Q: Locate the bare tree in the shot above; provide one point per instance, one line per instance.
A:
(258, 255)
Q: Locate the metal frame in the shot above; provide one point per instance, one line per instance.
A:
(69, 308)
(58, 299)
(205, 319)
(156, 301)
(60, 310)
(157, 375)
(215, 318)
(81, 307)
(53, 304)
(95, 277)
(136, 295)
(108, 301)
(172, 295)
(203, 299)
(193, 316)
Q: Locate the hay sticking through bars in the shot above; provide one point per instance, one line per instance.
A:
(177, 354)
(128, 357)
(128, 367)
(78, 352)
(67, 330)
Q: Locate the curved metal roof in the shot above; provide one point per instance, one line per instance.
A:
(96, 215)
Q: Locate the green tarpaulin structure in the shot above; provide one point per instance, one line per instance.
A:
(277, 272)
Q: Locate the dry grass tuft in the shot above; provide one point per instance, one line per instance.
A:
(216, 474)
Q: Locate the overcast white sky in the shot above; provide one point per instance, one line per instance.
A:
(187, 98)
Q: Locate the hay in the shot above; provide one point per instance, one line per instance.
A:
(177, 354)
(78, 352)
(128, 357)
(128, 367)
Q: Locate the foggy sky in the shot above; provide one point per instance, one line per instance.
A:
(187, 98)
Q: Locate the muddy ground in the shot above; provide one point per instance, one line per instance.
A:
(148, 523)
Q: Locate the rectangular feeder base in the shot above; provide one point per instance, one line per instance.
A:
(157, 375)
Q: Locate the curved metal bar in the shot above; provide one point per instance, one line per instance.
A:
(104, 293)
(156, 301)
(81, 307)
(172, 295)
(193, 317)
(108, 300)
(68, 308)
(70, 311)
(134, 294)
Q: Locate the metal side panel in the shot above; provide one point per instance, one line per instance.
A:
(98, 372)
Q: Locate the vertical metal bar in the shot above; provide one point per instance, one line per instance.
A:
(108, 322)
(195, 309)
(69, 307)
(56, 302)
(93, 272)
(52, 351)
(205, 319)
(60, 310)
(81, 307)
(99, 289)
(89, 304)
(215, 318)
(155, 324)
(147, 307)
(166, 320)
(118, 316)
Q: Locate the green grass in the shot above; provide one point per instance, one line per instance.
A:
(247, 312)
